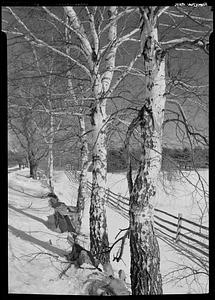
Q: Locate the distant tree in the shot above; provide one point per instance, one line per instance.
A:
(15, 158)
(21, 123)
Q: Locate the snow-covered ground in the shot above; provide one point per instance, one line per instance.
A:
(31, 239)
(35, 249)
(182, 195)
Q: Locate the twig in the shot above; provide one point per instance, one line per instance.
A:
(119, 256)
(40, 253)
(64, 271)
(111, 247)
(26, 207)
(120, 230)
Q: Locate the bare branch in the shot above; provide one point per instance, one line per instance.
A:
(79, 29)
(126, 37)
(162, 10)
(93, 30)
(187, 42)
(185, 13)
(40, 43)
(120, 251)
(120, 15)
(123, 75)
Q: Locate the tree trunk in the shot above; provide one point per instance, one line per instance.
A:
(82, 189)
(51, 158)
(70, 15)
(33, 164)
(26, 162)
(98, 227)
(101, 83)
(145, 255)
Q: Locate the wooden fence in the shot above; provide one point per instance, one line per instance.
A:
(178, 229)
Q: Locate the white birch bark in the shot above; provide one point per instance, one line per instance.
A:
(145, 256)
(100, 88)
(98, 226)
(82, 189)
(51, 157)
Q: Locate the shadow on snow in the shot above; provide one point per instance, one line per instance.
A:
(50, 223)
(24, 236)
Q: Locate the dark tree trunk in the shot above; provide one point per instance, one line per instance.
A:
(33, 170)
(26, 162)
(33, 164)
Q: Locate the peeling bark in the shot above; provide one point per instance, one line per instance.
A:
(82, 189)
(145, 256)
(98, 226)
(51, 158)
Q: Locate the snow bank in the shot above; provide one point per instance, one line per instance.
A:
(35, 252)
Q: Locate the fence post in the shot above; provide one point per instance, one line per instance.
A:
(89, 186)
(44, 180)
(107, 192)
(178, 227)
(119, 199)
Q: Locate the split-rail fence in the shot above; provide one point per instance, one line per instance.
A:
(186, 236)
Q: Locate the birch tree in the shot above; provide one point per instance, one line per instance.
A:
(35, 85)
(21, 123)
(79, 113)
(49, 135)
(100, 86)
(98, 229)
(145, 256)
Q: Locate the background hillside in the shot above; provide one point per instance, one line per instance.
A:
(172, 158)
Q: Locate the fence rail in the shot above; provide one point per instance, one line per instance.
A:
(178, 233)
